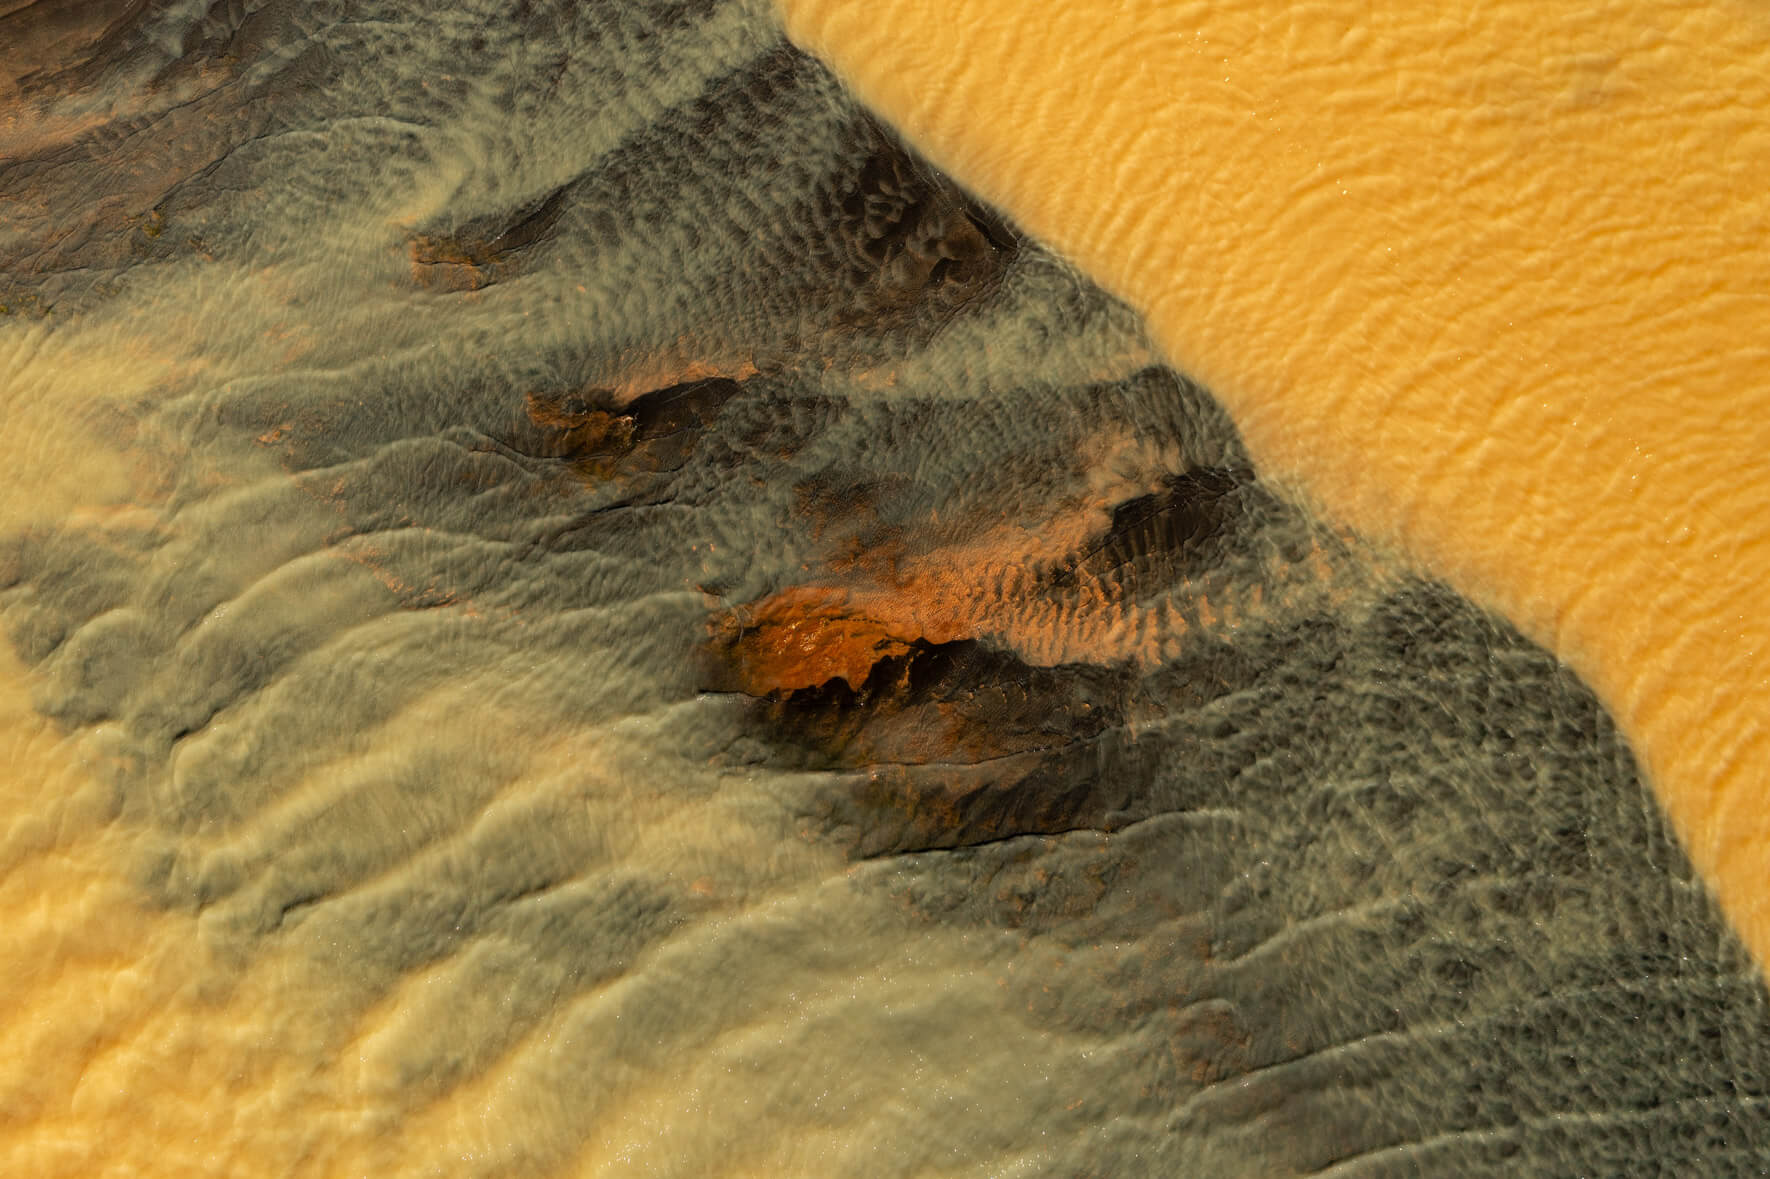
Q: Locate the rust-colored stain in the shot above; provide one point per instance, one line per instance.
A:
(480, 253)
(961, 740)
(1415, 256)
(664, 371)
(441, 265)
(807, 636)
(975, 668)
(880, 597)
(1209, 1042)
(605, 436)
(579, 429)
(1090, 584)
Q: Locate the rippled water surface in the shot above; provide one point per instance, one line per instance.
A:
(576, 609)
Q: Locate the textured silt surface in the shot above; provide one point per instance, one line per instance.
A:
(577, 609)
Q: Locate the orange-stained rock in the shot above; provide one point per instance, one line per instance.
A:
(804, 637)
(1487, 286)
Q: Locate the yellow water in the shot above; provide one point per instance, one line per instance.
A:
(475, 880)
(1491, 285)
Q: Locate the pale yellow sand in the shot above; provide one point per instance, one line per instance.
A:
(1491, 284)
(1528, 371)
(101, 996)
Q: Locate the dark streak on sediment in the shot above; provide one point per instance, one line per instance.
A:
(1178, 530)
(1245, 863)
(912, 235)
(599, 437)
(485, 250)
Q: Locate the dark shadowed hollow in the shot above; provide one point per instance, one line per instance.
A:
(643, 631)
